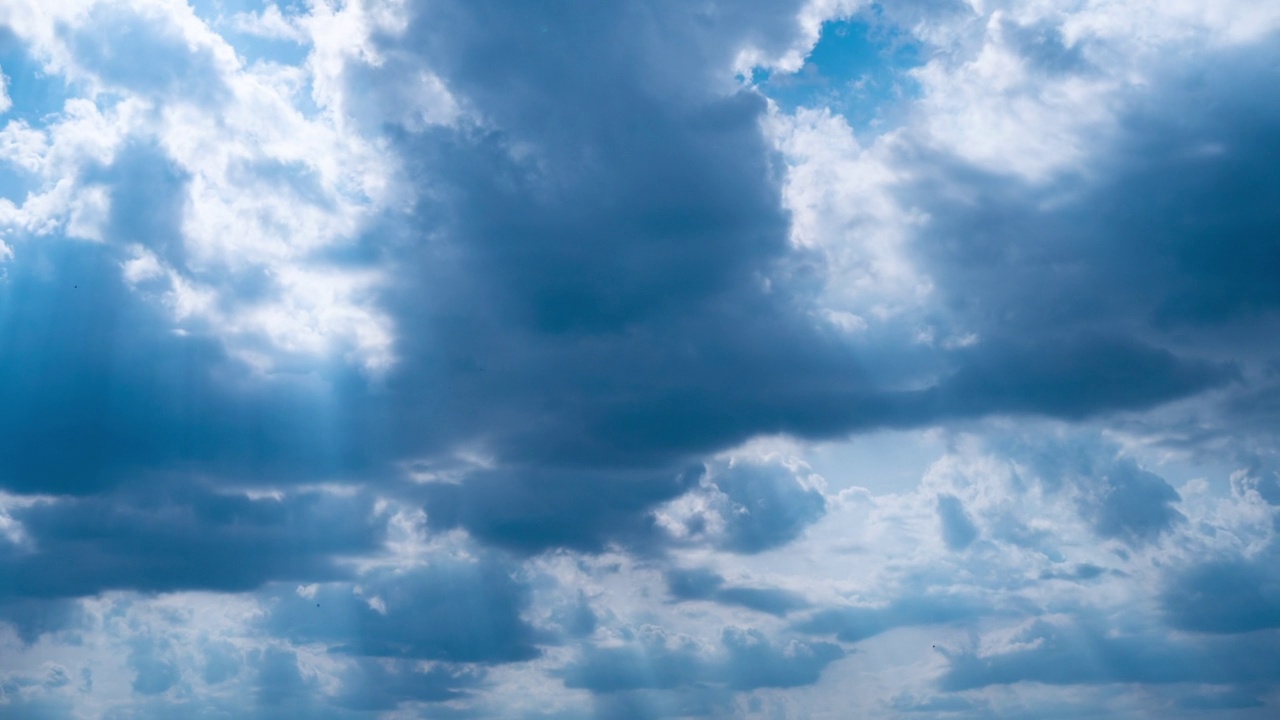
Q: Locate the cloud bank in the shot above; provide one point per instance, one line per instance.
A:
(537, 359)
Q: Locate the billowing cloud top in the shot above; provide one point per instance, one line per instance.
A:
(772, 358)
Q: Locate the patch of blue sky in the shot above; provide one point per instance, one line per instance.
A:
(35, 96)
(14, 183)
(859, 68)
(231, 19)
(35, 93)
(257, 49)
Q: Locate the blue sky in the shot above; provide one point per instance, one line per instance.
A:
(557, 359)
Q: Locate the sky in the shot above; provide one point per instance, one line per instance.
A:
(568, 359)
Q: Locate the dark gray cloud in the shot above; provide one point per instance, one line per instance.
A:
(452, 610)
(596, 290)
(1164, 239)
(1227, 595)
(767, 506)
(1130, 504)
(745, 660)
(531, 508)
(613, 292)
(583, 291)
(33, 617)
(1072, 375)
(705, 584)
(183, 538)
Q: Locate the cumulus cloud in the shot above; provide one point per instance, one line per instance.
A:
(452, 610)
(161, 83)
(468, 358)
(747, 505)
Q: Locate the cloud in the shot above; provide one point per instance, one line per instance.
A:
(452, 610)
(648, 664)
(747, 505)
(958, 530)
(1222, 700)
(6, 102)
(1081, 654)
(530, 509)
(1131, 504)
(853, 624)
(593, 315)
(99, 364)
(382, 685)
(1118, 498)
(1076, 378)
(381, 357)
(704, 584)
(33, 617)
(27, 695)
(182, 538)
(222, 661)
(258, 187)
(153, 672)
(568, 270)
(1231, 595)
(118, 45)
(280, 683)
(745, 660)
(754, 662)
(1158, 202)
(767, 506)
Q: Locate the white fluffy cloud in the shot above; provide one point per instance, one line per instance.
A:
(273, 174)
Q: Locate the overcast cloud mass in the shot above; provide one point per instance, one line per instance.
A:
(639, 359)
